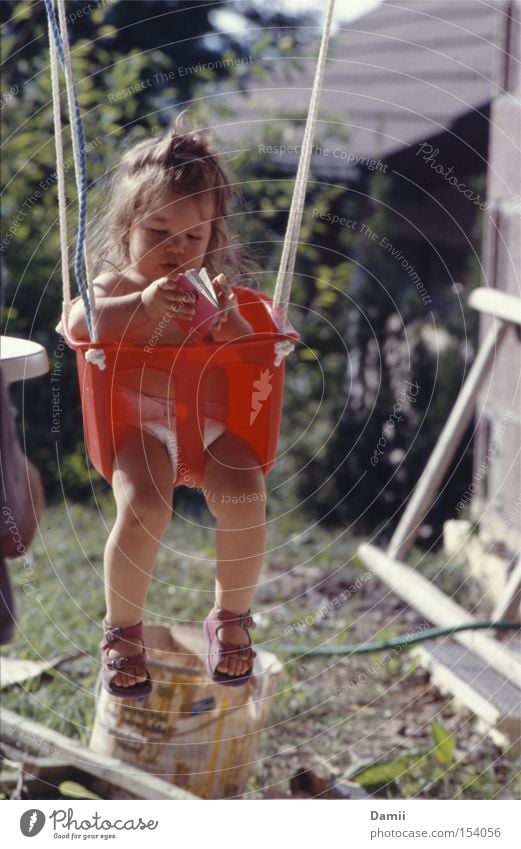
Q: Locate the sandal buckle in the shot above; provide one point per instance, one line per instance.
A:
(112, 635)
(119, 663)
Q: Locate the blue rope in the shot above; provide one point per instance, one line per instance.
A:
(79, 254)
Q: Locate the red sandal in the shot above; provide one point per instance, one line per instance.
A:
(110, 666)
(218, 650)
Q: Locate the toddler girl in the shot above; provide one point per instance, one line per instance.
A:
(167, 214)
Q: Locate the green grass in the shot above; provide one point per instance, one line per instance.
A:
(63, 615)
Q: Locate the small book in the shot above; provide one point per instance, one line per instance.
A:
(201, 281)
(207, 304)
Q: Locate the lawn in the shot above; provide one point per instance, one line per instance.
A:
(374, 719)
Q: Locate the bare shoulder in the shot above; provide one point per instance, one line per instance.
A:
(111, 284)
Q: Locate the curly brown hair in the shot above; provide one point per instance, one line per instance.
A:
(186, 163)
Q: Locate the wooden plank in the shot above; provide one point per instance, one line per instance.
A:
(129, 779)
(496, 303)
(509, 602)
(457, 676)
(440, 459)
(439, 609)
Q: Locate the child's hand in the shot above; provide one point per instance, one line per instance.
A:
(230, 324)
(165, 297)
(227, 300)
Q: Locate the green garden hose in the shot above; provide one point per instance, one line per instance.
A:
(404, 641)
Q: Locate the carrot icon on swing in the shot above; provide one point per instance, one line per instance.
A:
(262, 390)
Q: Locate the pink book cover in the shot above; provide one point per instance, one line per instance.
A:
(207, 305)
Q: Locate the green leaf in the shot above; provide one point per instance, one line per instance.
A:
(262, 45)
(106, 31)
(378, 774)
(22, 12)
(73, 790)
(286, 43)
(206, 74)
(444, 744)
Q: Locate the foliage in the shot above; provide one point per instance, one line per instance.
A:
(438, 772)
(392, 388)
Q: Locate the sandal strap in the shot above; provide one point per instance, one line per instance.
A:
(245, 652)
(226, 617)
(113, 633)
(124, 663)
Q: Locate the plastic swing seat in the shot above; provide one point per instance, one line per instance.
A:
(254, 390)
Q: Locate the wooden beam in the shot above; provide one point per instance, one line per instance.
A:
(138, 783)
(445, 677)
(450, 437)
(439, 609)
(496, 303)
(509, 603)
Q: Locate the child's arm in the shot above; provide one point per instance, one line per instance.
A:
(231, 324)
(117, 308)
(123, 313)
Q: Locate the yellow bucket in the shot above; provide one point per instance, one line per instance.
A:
(189, 731)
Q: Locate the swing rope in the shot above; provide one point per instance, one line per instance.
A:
(60, 173)
(60, 49)
(296, 213)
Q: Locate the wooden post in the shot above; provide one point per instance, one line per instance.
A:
(439, 461)
(508, 605)
(440, 610)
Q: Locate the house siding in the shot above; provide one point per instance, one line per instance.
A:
(497, 462)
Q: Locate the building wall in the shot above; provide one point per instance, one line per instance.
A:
(497, 465)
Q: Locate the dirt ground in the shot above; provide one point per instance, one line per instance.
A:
(345, 712)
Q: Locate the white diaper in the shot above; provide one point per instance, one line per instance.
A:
(154, 415)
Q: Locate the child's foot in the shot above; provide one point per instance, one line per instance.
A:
(235, 665)
(123, 659)
(132, 674)
(230, 655)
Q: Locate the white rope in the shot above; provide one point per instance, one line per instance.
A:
(282, 349)
(60, 175)
(96, 356)
(76, 149)
(289, 247)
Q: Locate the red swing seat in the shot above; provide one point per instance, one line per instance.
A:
(254, 384)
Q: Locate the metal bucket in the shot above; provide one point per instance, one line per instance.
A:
(189, 731)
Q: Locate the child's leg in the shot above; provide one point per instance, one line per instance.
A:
(235, 493)
(142, 486)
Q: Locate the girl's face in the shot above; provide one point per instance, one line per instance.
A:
(171, 236)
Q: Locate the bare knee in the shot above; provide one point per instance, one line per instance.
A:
(143, 508)
(142, 485)
(239, 496)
